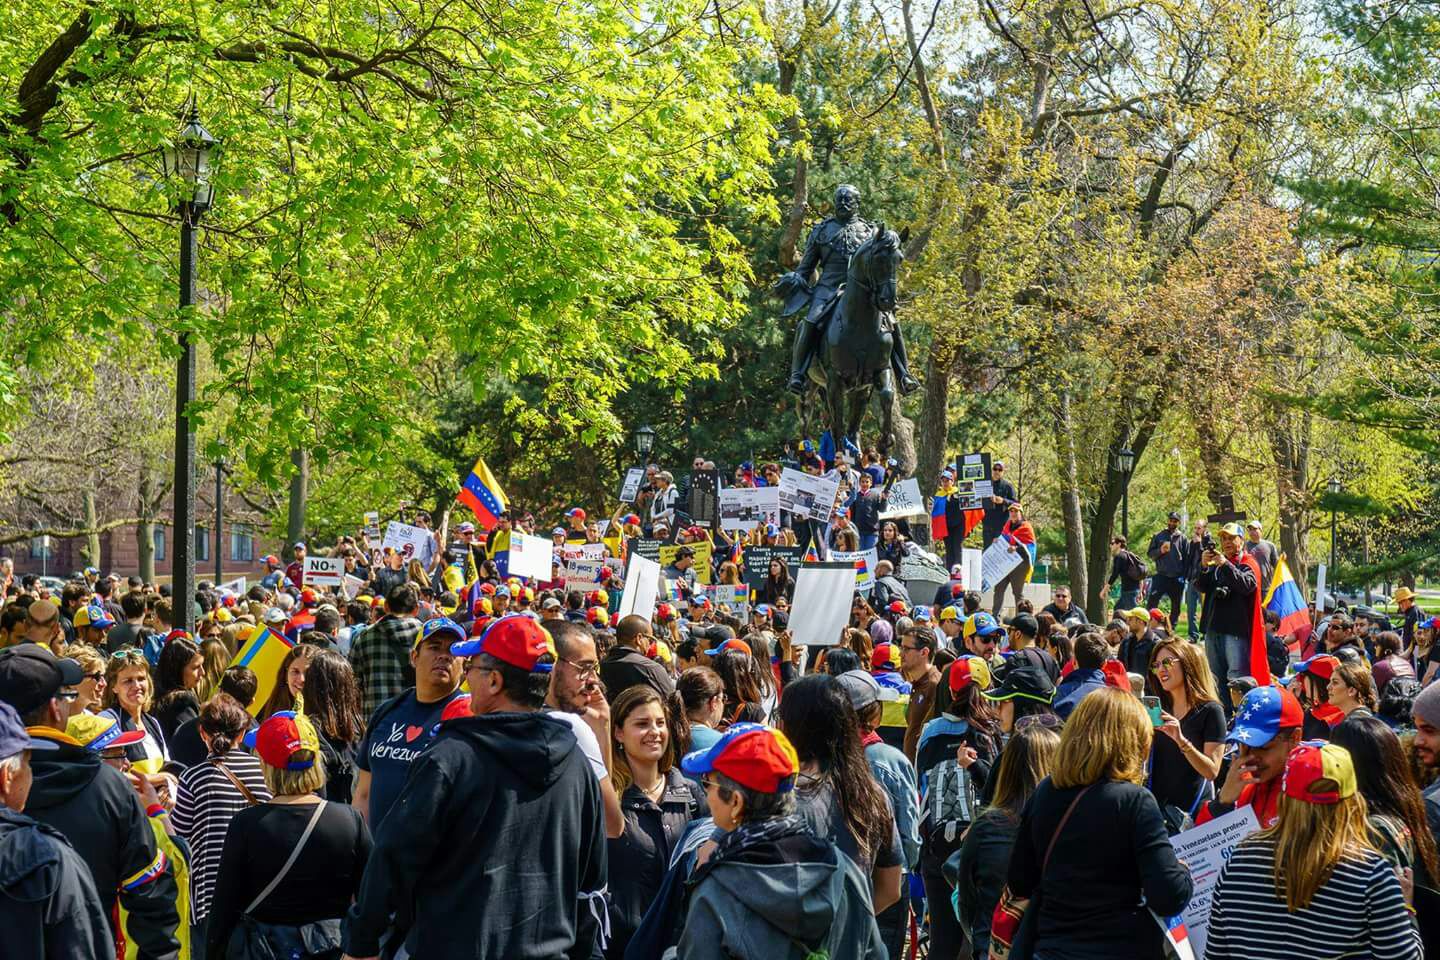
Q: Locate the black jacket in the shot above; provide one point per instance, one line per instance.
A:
(1229, 590)
(1172, 564)
(97, 810)
(888, 589)
(865, 511)
(996, 514)
(626, 667)
(983, 859)
(1128, 569)
(48, 904)
(640, 856)
(1113, 850)
(1135, 654)
(1075, 611)
(496, 845)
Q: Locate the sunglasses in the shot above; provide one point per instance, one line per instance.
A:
(1049, 721)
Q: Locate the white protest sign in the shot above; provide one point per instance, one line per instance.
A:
(630, 489)
(642, 587)
(808, 497)
(733, 594)
(974, 563)
(530, 556)
(864, 563)
(904, 500)
(352, 586)
(742, 508)
(582, 551)
(407, 540)
(1205, 849)
(236, 587)
(1320, 589)
(323, 571)
(584, 575)
(996, 562)
(821, 608)
(372, 524)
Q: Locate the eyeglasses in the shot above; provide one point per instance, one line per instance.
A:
(586, 668)
(130, 653)
(706, 784)
(911, 649)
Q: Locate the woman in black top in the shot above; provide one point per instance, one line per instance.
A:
(777, 583)
(178, 675)
(1187, 756)
(657, 802)
(332, 702)
(890, 546)
(314, 890)
(1110, 847)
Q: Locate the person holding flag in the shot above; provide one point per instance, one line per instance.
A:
(1285, 601)
(1234, 628)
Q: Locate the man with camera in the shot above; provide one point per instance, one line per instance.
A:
(1230, 581)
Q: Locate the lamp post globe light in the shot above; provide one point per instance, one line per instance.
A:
(644, 440)
(1125, 465)
(188, 164)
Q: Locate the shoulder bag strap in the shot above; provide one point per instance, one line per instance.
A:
(1061, 826)
(294, 855)
(239, 784)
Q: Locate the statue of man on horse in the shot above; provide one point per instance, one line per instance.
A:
(832, 243)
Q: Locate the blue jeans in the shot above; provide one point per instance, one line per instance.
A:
(1229, 657)
(1192, 609)
(1128, 599)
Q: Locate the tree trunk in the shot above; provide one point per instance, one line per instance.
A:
(92, 520)
(1070, 510)
(145, 529)
(1212, 458)
(931, 429)
(1102, 521)
(299, 495)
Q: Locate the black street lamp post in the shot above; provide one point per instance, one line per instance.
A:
(1333, 488)
(188, 162)
(1125, 465)
(644, 440)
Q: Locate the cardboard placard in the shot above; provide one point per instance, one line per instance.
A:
(864, 563)
(705, 498)
(323, 571)
(630, 486)
(1205, 849)
(757, 563)
(409, 541)
(530, 557)
(997, 561)
(904, 500)
(808, 497)
(352, 586)
(703, 553)
(584, 575)
(372, 525)
(642, 587)
(821, 608)
(973, 486)
(744, 508)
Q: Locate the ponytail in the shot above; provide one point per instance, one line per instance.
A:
(679, 722)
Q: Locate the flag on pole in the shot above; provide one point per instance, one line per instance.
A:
(939, 526)
(482, 494)
(1285, 600)
(810, 555)
(263, 652)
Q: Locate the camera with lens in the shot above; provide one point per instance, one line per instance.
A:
(1207, 542)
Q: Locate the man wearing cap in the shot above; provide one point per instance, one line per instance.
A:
(1265, 553)
(1136, 648)
(1023, 631)
(1267, 727)
(1167, 551)
(381, 655)
(1231, 585)
(982, 636)
(1412, 614)
(497, 839)
(576, 518)
(682, 568)
(997, 508)
(48, 903)
(95, 807)
(402, 726)
(295, 572)
(625, 664)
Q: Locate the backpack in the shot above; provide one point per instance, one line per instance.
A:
(1138, 568)
(950, 802)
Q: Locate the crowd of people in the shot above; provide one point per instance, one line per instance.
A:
(450, 761)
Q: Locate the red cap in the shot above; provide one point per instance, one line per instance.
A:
(1116, 675)
(885, 656)
(284, 734)
(576, 513)
(488, 589)
(663, 611)
(309, 597)
(517, 640)
(1319, 773)
(1157, 614)
(756, 757)
(595, 615)
(968, 670)
(1322, 666)
(896, 606)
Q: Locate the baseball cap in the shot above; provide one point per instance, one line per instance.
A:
(1318, 772)
(1232, 529)
(596, 615)
(96, 732)
(1157, 615)
(440, 627)
(885, 656)
(982, 625)
(771, 530)
(30, 675)
(1321, 665)
(282, 736)
(575, 513)
(502, 591)
(1139, 613)
(1025, 623)
(663, 611)
(92, 615)
(551, 603)
(93, 571)
(298, 545)
(1430, 623)
(557, 532)
(763, 610)
(860, 687)
(1025, 681)
(949, 612)
(466, 527)
(755, 756)
(270, 560)
(13, 737)
(896, 606)
(957, 572)
(309, 597)
(276, 615)
(921, 614)
(1263, 713)
(1172, 515)
(968, 670)
(728, 644)
(515, 639)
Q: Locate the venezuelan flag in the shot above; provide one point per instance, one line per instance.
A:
(482, 494)
(497, 548)
(810, 555)
(1285, 600)
(939, 526)
(263, 652)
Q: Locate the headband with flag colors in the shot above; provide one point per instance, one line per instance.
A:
(1285, 600)
(482, 494)
(263, 652)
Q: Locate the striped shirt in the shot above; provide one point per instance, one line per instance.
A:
(204, 806)
(1359, 912)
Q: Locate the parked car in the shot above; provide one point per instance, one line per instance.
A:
(1356, 597)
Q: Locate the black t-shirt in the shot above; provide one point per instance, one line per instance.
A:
(400, 729)
(1172, 779)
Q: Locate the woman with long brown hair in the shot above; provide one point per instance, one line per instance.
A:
(1352, 690)
(1313, 874)
(744, 695)
(836, 792)
(332, 702)
(657, 802)
(1187, 757)
(289, 679)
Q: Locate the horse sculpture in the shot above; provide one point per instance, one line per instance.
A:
(855, 356)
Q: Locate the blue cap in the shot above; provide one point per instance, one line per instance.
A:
(764, 609)
(808, 447)
(440, 626)
(1263, 713)
(922, 613)
(985, 625)
(13, 737)
(502, 591)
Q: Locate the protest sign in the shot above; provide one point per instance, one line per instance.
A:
(236, 587)
(821, 608)
(808, 497)
(407, 540)
(530, 556)
(864, 563)
(1320, 588)
(630, 488)
(642, 587)
(904, 500)
(372, 525)
(584, 575)
(705, 498)
(997, 561)
(736, 596)
(323, 571)
(703, 551)
(743, 508)
(352, 586)
(582, 551)
(646, 547)
(973, 487)
(973, 561)
(1205, 849)
(757, 563)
